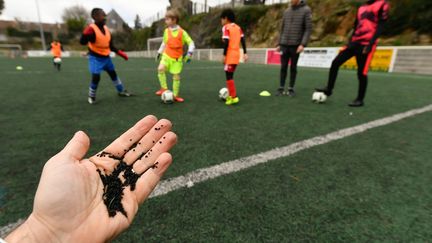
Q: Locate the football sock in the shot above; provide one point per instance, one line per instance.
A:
(163, 80)
(116, 81)
(94, 85)
(231, 88)
(176, 87)
(118, 84)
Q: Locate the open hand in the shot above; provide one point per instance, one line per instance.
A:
(69, 203)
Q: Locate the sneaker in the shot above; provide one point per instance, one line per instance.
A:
(160, 92)
(280, 91)
(91, 100)
(290, 92)
(124, 93)
(178, 99)
(356, 103)
(231, 101)
(324, 90)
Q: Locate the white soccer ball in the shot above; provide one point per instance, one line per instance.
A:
(167, 97)
(319, 97)
(57, 60)
(223, 93)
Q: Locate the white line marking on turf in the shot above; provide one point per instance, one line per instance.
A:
(201, 175)
(205, 174)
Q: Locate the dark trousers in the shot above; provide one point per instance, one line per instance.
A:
(289, 53)
(363, 62)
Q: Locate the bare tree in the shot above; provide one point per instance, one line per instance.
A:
(2, 5)
(76, 12)
(76, 18)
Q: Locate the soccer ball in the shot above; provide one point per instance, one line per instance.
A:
(319, 97)
(223, 93)
(57, 60)
(167, 97)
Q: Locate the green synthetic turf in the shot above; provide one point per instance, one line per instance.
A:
(372, 186)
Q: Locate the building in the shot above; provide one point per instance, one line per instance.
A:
(115, 23)
(17, 27)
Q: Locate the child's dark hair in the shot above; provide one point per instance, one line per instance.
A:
(229, 14)
(95, 11)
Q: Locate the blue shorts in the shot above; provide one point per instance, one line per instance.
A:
(99, 64)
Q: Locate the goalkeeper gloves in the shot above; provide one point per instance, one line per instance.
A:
(123, 55)
(88, 30)
(188, 57)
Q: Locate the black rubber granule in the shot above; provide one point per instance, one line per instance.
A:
(114, 187)
(113, 193)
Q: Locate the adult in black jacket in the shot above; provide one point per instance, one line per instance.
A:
(295, 34)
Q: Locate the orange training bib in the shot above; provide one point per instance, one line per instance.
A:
(102, 44)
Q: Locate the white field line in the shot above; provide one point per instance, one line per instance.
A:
(201, 175)
(205, 174)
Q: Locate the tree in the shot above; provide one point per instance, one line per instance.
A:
(76, 18)
(1, 6)
(138, 24)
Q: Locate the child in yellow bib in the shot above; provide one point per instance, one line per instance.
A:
(171, 54)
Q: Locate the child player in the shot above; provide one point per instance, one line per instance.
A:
(171, 55)
(232, 37)
(98, 38)
(56, 50)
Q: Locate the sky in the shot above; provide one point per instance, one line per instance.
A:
(51, 10)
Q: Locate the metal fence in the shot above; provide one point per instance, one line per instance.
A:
(404, 59)
(158, 16)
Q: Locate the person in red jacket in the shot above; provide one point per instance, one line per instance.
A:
(368, 26)
(98, 38)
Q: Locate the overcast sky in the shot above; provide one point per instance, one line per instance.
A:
(51, 10)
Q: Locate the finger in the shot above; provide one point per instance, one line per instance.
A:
(77, 146)
(123, 143)
(149, 159)
(148, 141)
(148, 181)
(113, 154)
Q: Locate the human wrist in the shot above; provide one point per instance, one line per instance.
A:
(33, 230)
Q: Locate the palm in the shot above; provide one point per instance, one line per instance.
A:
(69, 196)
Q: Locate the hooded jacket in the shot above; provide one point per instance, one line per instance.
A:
(296, 25)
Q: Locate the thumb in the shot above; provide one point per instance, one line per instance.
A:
(77, 146)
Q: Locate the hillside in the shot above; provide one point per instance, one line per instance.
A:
(333, 20)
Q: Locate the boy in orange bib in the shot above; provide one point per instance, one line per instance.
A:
(232, 37)
(56, 49)
(98, 38)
